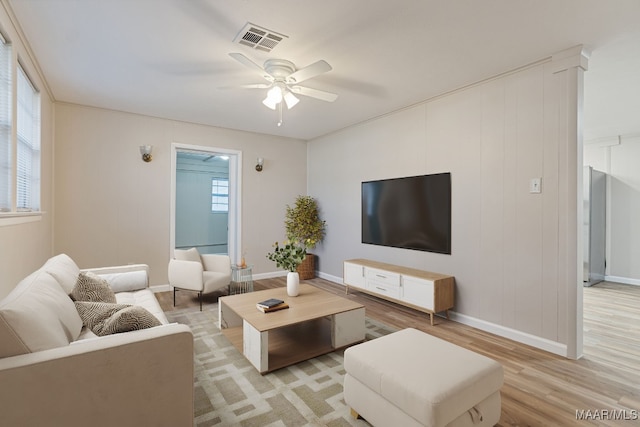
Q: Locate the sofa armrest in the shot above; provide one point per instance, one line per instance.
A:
(124, 278)
(185, 274)
(136, 378)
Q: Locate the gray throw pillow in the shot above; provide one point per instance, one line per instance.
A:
(90, 287)
(105, 318)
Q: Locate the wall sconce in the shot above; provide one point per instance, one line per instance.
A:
(145, 150)
(259, 164)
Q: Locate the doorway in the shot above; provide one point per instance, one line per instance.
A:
(205, 200)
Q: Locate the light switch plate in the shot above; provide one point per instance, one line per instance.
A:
(535, 185)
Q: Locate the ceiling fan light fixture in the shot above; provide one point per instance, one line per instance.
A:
(274, 97)
(275, 94)
(269, 103)
(290, 99)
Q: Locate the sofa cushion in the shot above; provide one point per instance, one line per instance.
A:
(37, 315)
(106, 318)
(90, 287)
(143, 298)
(64, 270)
(126, 281)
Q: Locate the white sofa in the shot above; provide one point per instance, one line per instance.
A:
(54, 372)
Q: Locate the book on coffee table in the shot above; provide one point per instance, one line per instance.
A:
(276, 307)
(271, 302)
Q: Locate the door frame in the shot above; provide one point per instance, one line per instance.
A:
(234, 231)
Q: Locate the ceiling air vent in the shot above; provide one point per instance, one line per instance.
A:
(259, 38)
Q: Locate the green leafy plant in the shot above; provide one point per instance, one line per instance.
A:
(288, 256)
(303, 224)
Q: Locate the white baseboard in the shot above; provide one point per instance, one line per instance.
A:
(270, 275)
(512, 334)
(623, 280)
(273, 274)
(330, 278)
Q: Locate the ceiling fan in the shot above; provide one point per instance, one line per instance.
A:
(283, 79)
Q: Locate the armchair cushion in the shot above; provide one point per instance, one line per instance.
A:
(90, 287)
(214, 280)
(188, 255)
(106, 318)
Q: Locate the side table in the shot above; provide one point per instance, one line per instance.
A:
(241, 280)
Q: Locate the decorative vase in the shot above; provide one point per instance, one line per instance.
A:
(293, 284)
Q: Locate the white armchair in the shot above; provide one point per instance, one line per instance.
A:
(201, 273)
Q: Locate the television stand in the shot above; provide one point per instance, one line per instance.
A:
(422, 290)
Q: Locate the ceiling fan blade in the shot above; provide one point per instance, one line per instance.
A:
(314, 93)
(308, 72)
(247, 86)
(256, 86)
(250, 64)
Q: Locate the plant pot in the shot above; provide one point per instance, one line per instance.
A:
(307, 269)
(293, 284)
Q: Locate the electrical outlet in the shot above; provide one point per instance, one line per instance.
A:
(535, 185)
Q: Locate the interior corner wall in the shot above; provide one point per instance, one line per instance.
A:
(25, 247)
(112, 208)
(494, 138)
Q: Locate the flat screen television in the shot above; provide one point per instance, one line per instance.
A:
(411, 212)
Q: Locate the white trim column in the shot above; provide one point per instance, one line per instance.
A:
(568, 67)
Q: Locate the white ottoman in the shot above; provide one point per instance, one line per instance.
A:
(411, 378)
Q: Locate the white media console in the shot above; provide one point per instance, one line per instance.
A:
(423, 290)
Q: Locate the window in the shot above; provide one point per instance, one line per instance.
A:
(19, 146)
(28, 145)
(219, 195)
(6, 175)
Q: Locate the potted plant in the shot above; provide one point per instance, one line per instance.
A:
(289, 257)
(304, 227)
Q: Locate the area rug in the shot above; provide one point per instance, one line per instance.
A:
(230, 392)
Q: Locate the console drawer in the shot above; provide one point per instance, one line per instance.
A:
(382, 277)
(383, 289)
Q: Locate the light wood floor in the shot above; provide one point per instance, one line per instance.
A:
(540, 389)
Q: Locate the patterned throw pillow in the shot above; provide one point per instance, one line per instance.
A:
(90, 287)
(106, 318)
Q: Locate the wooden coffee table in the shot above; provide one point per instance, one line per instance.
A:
(317, 322)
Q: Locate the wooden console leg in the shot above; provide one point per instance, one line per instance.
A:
(354, 414)
(431, 316)
(448, 315)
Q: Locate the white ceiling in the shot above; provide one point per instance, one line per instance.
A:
(167, 58)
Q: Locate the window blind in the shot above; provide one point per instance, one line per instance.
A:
(28, 145)
(5, 127)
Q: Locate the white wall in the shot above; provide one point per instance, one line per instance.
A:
(618, 157)
(25, 247)
(112, 208)
(513, 253)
